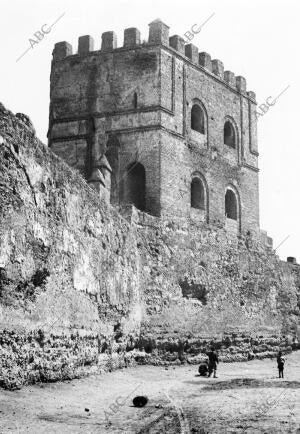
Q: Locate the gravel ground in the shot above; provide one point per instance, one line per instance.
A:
(246, 397)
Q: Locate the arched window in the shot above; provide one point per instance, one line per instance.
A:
(231, 205)
(135, 186)
(197, 119)
(197, 194)
(229, 134)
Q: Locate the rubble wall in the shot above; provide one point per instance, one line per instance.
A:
(85, 288)
(206, 286)
(69, 266)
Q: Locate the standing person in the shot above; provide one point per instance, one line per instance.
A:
(213, 360)
(280, 364)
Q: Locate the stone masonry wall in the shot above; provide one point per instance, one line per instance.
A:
(142, 93)
(205, 285)
(69, 267)
(85, 288)
(185, 151)
(85, 89)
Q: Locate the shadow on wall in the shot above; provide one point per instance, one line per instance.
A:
(193, 290)
(251, 383)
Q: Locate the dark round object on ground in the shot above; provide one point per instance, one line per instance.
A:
(203, 370)
(140, 401)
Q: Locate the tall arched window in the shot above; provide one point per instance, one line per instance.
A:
(135, 186)
(197, 119)
(197, 194)
(229, 134)
(231, 205)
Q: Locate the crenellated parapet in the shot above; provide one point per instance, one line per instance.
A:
(132, 37)
(158, 35)
(85, 45)
(62, 50)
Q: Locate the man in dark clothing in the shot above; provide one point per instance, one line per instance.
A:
(212, 362)
(280, 364)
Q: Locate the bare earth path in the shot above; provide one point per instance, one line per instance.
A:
(246, 398)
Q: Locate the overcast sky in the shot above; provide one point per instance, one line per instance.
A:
(258, 39)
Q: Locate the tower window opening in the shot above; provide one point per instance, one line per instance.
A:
(231, 208)
(197, 194)
(229, 135)
(197, 119)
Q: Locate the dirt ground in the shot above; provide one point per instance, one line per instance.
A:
(246, 398)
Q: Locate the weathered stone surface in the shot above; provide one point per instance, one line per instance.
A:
(84, 290)
(69, 266)
(144, 94)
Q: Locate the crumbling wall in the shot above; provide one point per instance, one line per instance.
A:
(203, 285)
(69, 267)
(84, 289)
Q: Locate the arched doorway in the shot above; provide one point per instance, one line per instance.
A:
(135, 186)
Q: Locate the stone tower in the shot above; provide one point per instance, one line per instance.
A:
(179, 132)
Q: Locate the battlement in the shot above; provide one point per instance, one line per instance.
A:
(158, 35)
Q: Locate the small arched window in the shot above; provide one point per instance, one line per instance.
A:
(229, 134)
(197, 119)
(197, 194)
(231, 205)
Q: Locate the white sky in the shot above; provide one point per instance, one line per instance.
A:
(258, 39)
